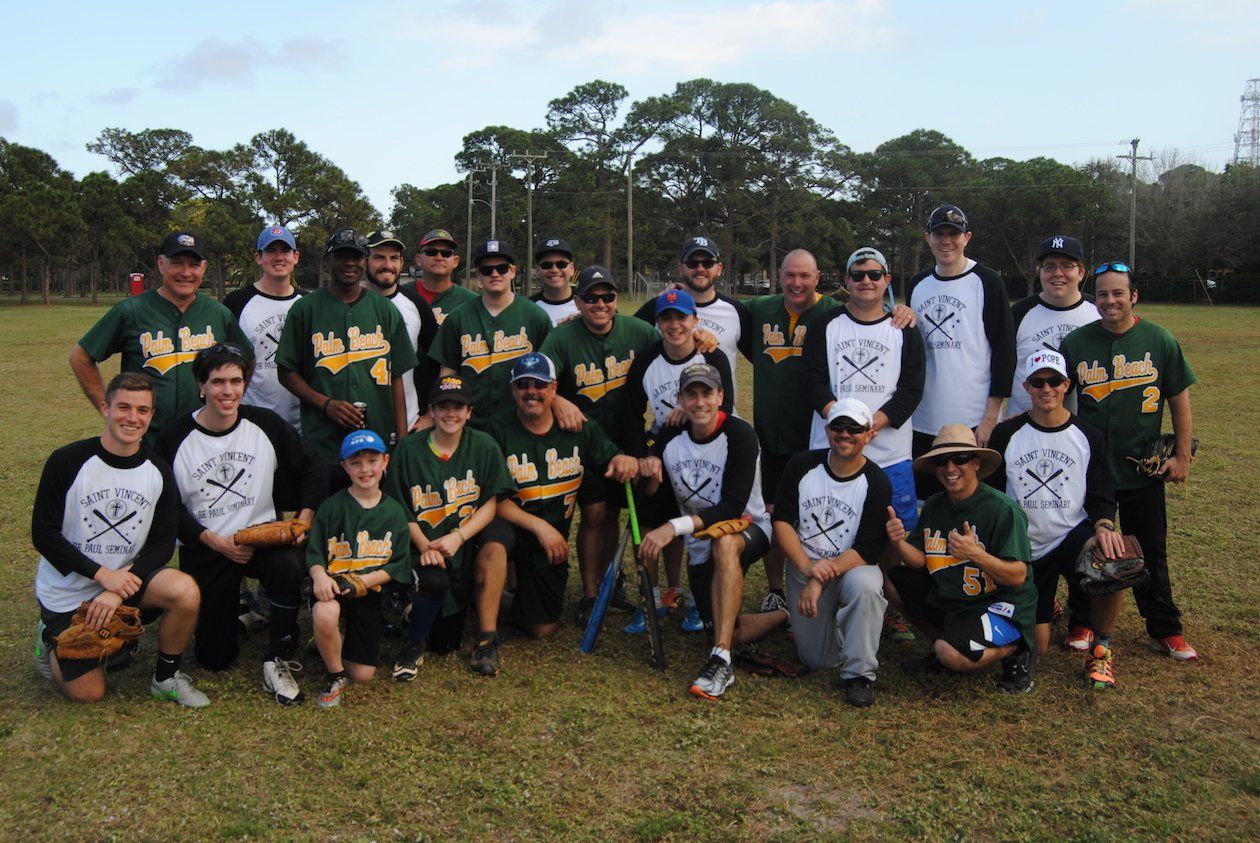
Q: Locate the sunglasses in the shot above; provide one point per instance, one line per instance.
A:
(433, 253)
(1055, 381)
(696, 263)
(1114, 266)
(857, 275)
(530, 383)
(848, 427)
(592, 298)
(488, 269)
(553, 264)
(952, 459)
(224, 348)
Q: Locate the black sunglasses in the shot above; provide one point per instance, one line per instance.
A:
(553, 264)
(1055, 381)
(857, 275)
(222, 348)
(953, 459)
(849, 427)
(530, 383)
(696, 263)
(488, 269)
(433, 253)
(592, 298)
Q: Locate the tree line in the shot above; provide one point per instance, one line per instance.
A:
(730, 160)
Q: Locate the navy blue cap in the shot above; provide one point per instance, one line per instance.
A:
(700, 244)
(179, 242)
(534, 365)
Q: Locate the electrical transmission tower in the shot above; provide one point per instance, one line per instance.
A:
(1247, 141)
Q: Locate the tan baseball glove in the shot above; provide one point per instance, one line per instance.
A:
(272, 533)
(77, 641)
(350, 585)
(723, 528)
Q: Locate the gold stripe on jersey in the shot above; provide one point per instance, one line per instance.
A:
(161, 355)
(479, 356)
(1098, 383)
(545, 491)
(367, 553)
(776, 345)
(332, 354)
(936, 549)
(432, 507)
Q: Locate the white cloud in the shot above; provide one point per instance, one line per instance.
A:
(215, 61)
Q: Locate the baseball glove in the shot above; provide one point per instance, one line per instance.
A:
(723, 528)
(1157, 452)
(272, 533)
(77, 641)
(1100, 575)
(350, 585)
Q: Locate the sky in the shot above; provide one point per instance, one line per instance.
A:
(388, 90)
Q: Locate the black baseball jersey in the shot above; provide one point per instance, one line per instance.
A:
(261, 316)
(94, 509)
(653, 384)
(727, 318)
(1040, 327)
(830, 513)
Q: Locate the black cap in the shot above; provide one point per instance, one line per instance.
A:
(700, 244)
(493, 249)
(552, 244)
(451, 388)
(593, 276)
(383, 237)
(1061, 245)
(179, 242)
(346, 239)
(699, 373)
(947, 216)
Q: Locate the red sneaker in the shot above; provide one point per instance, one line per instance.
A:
(1175, 646)
(1079, 638)
(1099, 670)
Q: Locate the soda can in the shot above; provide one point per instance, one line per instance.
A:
(362, 408)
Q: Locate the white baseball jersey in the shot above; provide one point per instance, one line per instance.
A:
(1038, 327)
(261, 316)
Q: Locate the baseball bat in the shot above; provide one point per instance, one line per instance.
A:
(602, 599)
(647, 594)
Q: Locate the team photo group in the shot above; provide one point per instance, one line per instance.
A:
(402, 459)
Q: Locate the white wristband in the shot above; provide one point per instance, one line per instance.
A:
(683, 525)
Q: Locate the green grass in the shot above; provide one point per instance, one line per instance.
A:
(562, 745)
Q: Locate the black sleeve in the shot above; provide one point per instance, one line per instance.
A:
(1100, 495)
(1022, 308)
(814, 365)
(301, 480)
(746, 329)
(787, 497)
(1000, 330)
(422, 375)
(914, 282)
(738, 475)
(50, 509)
(717, 359)
(664, 438)
(909, 392)
(636, 403)
(236, 300)
(647, 312)
(871, 537)
(159, 547)
(998, 440)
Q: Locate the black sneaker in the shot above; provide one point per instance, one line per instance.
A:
(859, 691)
(620, 602)
(585, 606)
(407, 665)
(927, 664)
(485, 657)
(1018, 671)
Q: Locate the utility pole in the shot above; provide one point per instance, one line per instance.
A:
(1133, 158)
(494, 198)
(530, 158)
(630, 222)
(468, 240)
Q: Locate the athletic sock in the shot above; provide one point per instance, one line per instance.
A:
(167, 665)
(424, 611)
(283, 632)
(493, 637)
(722, 653)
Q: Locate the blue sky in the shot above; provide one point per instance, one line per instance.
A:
(387, 90)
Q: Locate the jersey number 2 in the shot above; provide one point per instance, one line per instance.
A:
(380, 371)
(976, 582)
(1150, 399)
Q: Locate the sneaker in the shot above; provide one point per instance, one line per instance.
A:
(1018, 671)
(485, 657)
(1079, 638)
(1175, 646)
(774, 603)
(123, 658)
(407, 665)
(620, 602)
(717, 676)
(691, 621)
(178, 689)
(330, 697)
(859, 691)
(1098, 670)
(43, 654)
(895, 628)
(585, 606)
(637, 625)
(279, 682)
(926, 664)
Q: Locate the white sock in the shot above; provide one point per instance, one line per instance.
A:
(722, 653)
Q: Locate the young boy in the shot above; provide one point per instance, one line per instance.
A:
(359, 542)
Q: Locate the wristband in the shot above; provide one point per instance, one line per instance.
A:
(683, 525)
(1107, 523)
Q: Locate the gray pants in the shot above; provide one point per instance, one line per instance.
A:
(846, 631)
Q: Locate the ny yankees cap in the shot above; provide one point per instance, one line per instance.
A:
(867, 253)
(272, 233)
(679, 300)
(451, 388)
(384, 237)
(179, 242)
(438, 235)
(1046, 359)
(1061, 245)
(493, 249)
(950, 216)
(346, 239)
(699, 373)
(593, 276)
(699, 244)
(534, 365)
(362, 440)
(850, 408)
(552, 244)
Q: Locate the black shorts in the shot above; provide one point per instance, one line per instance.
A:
(596, 488)
(539, 596)
(1060, 561)
(772, 466)
(958, 630)
(700, 577)
(363, 619)
(56, 623)
(655, 509)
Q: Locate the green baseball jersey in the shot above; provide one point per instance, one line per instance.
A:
(440, 495)
(346, 538)
(481, 348)
(449, 299)
(548, 469)
(158, 339)
(442, 304)
(781, 415)
(591, 370)
(963, 589)
(350, 352)
(1122, 382)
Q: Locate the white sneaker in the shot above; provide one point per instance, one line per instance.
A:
(278, 680)
(43, 653)
(717, 676)
(331, 695)
(178, 689)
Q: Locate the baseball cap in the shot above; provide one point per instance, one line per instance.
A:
(850, 408)
(534, 365)
(346, 239)
(679, 300)
(867, 253)
(493, 249)
(593, 276)
(272, 233)
(451, 388)
(178, 242)
(699, 373)
(1061, 245)
(438, 235)
(553, 244)
(382, 237)
(362, 440)
(1046, 359)
(947, 216)
(699, 244)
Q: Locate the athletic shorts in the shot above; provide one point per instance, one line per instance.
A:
(700, 577)
(772, 466)
(56, 623)
(904, 495)
(959, 630)
(539, 595)
(657, 508)
(596, 488)
(1060, 561)
(363, 621)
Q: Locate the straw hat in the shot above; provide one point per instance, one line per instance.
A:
(958, 439)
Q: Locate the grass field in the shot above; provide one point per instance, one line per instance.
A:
(562, 745)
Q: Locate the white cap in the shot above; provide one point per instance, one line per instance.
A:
(1047, 359)
(850, 408)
